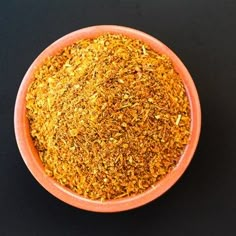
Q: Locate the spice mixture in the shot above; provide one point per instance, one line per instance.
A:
(109, 116)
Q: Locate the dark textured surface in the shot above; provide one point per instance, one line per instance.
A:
(203, 34)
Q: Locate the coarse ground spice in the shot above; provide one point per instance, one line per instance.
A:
(108, 116)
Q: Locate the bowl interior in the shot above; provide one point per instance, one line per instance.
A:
(30, 154)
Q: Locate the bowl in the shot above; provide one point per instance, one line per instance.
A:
(30, 154)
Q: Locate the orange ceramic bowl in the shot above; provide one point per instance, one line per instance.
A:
(30, 154)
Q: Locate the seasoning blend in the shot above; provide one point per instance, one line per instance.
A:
(109, 116)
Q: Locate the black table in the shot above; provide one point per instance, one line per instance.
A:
(202, 33)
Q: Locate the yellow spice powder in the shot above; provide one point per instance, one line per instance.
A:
(109, 116)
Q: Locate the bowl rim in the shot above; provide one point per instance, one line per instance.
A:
(29, 153)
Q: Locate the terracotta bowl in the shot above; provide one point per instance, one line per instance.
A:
(30, 154)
